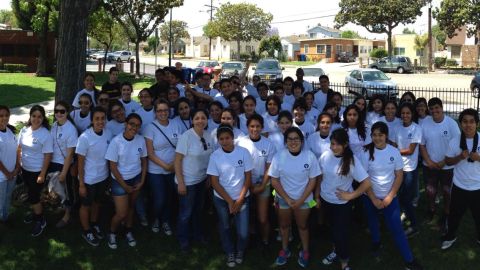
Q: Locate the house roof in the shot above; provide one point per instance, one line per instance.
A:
(459, 38)
(326, 28)
(294, 39)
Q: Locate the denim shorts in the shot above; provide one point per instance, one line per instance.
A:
(282, 204)
(117, 189)
(266, 192)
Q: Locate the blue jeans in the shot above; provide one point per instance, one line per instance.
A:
(407, 194)
(241, 225)
(190, 208)
(6, 188)
(391, 215)
(163, 188)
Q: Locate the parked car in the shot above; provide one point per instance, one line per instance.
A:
(98, 54)
(369, 82)
(122, 56)
(312, 74)
(475, 85)
(110, 57)
(233, 68)
(345, 57)
(206, 66)
(268, 70)
(399, 64)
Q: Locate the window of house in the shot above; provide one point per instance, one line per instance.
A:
(248, 48)
(320, 48)
(339, 48)
(305, 48)
(399, 51)
(362, 49)
(312, 35)
(456, 51)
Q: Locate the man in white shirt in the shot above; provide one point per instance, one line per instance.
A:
(323, 96)
(308, 87)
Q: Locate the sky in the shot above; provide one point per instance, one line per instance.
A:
(308, 13)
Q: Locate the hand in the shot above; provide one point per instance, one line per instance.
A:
(61, 177)
(237, 205)
(40, 179)
(431, 165)
(464, 154)
(387, 201)
(475, 156)
(170, 168)
(295, 204)
(139, 185)
(344, 195)
(440, 164)
(231, 206)
(182, 189)
(128, 189)
(257, 189)
(82, 190)
(319, 201)
(378, 203)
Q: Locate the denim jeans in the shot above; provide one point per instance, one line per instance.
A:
(241, 225)
(163, 188)
(190, 208)
(6, 188)
(391, 215)
(407, 195)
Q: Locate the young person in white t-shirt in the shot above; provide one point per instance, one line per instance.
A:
(161, 137)
(93, 175)
(319, 142)
(65, 136)
(130, 105)
(191, 161)
(89, 83)
(299, 120)
(147, 111)
(215, 109)
(356, 129)
(311, 113)
(226, 89)
(337, 98)
(182, 112)
(272, 109)
(288, 89)
(262, 97)
(332, 109)
(463, 154)
(390, 118)
(284, 122)
(421, 109)
(35, 148)
(127, 156)
(228, 117)
(293, 175)
(407, 138)
(249, 103)
(262, 150)
(384, 164)
(375, 110)
(334, 192)
(81, 117)
(230, 170)
(235, 101)
(9, 168)
(117, 112)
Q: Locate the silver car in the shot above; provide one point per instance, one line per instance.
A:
(369, 82)
(399, 64)
(312, 74)
(233, 68)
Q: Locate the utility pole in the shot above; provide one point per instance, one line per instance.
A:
(155, 47)
(170, 40)
(211, 8)
(430, 51)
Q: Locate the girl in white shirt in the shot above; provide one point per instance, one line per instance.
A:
(384, 164)
(284, 121)
(81, 117)
(183, 111)
(337, 98)
(248, 105)
(319, 142)
(146, 112)
(293, 174)
(355, 126)
(9, 168)
(35, 147)
(89, 83)
(272, 107)
(375, 110)
(390, 118)
(93, 174)
(228, 117)
(117, 113)
(130, 105)
(311, 113)
(127, 156)
(230, 168)
(332, 109)
(361, 104)
(235, 101)
(215, 109)
(421, 110)
(299, 120)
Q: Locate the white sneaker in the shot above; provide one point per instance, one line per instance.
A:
(112, 241)
(156, 226)
(131, 241)
(330, 258)
(446, 244)
(231, 260)
(166, 229)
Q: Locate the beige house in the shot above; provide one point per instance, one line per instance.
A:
(198, 47)
(462, 48)
(404, 45)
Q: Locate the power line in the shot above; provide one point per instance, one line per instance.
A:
(299, 20)
(307, 13)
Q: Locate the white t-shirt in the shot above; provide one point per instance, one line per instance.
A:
(115, 127)
(195, 158)
(8, 151)
(162, 147)
(212, 125)
(230, 169)
(356, 142)
(392, 127)
(289, 98)
(404, 136)
(332, 179)
(81, 123)
(306, 127)
(294, 172)
(308, 87)
(64, 136)
(147, 117)
(372, 118)
(262, 152)
(237, 134)
(94, 147)
(212, 92)
(252, 90)
(437, 136)
(243, 123)
(320, 100)
(466, 175)
(278, 140)
(312, 116)
(420, 120)
(127, 155)
(270, 123)
(181, 89)
(75, 103)
(382, 169)
(286, 106)
(260, 107)
(219, 97)
(130, 107)
(317, 144)
(34, 144)
(184, 125)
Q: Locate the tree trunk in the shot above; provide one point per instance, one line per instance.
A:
(389, 41)
(42, 54)
(107, 47)
(137, 58)
(71, 50)
(238, 49)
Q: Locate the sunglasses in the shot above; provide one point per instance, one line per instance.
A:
(204, 143)
(60, 111)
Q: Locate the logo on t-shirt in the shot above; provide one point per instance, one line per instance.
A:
(410, 135)
(392, 159)
(264, 153)
(306, 166)
(35, 141)
(140, 150)
(174, 135)
(240, 163)
(60, 135)
(445, 133)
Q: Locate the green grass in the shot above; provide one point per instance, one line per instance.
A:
(299, 63)
(17, 89)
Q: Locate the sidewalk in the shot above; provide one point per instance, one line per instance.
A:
(21, 114)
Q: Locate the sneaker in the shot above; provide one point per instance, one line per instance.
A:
(166, 229)
(28, 218)
(91, 239)
(98, 232)
(156, 226)
(414, 265)
(446, 244)
(38, 227)
(131, 241)
(143, 221)
(231, 260)
(239, 257)
(283, 255)
(330, 258)
(303, 258)
(411, 232)
(112, 241)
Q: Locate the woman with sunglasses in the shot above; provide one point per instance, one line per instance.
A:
(127, 156)
(103, 100)
(81, 117)
(191, 160)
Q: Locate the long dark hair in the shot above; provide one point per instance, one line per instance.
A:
(360, 125)
(234, 116)
(5, 108)
(39, 108)
(341, 137)
(383, 128)
(463, 138)
(330, 105)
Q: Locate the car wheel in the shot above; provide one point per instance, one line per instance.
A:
(476, 92)
(400, 70)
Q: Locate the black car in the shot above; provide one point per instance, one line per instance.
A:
(268, 70)
(475, 85)
(345, 57)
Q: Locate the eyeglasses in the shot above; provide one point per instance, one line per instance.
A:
(60, 111)
(134, 125)
(84, 102)
(293, 139)
(204, 143)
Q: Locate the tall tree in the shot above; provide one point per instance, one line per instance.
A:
(8, 17)
(139, 18)
(350, 34)
(71, 46)
(270, 45)
(239, 22)
(407, 30)
(179, 30)
(380, 17)
(439, 35)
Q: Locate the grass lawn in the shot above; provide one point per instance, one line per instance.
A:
(17, 89)
(299, 63)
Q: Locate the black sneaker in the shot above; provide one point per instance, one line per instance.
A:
(91, 239)
(239, 257)
(98, 232)
(414, 265)
(28, 218)
(38, 227)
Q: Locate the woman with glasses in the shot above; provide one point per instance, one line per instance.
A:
(117, 113)
(127, 156)
(81, 117)
(191, 160)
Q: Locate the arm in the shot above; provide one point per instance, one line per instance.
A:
(46, 162)
(265, 180)
(67, 162)
(182, 189)
(408, 151)
(246, 185)
(348, 196)
(221, 191)
(152, 157)
(377, 202)
(81, 175)
(4, 170)
(308, 190)
(280, 191)
(426, 157)
(454, 160)
(144, 174)
(396, 185)
(317, 190)
(197, 94)
(118, 177)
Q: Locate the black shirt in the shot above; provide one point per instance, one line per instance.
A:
(113, 90)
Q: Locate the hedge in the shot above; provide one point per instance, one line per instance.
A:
(15, 67)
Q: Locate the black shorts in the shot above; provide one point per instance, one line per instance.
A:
(95, 193)
(34, 188)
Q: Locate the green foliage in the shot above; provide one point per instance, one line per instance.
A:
(406, 30)
(15, 67)
(453, 14)
(270, 45)
(153, 42)
(39, 15)
(350, 34)
(421, 42)
(8, 17)
(103, 27)
(451, 63)
(179, 30)
(378, 53)
(440, 61)
(147, 49)
(439, 35)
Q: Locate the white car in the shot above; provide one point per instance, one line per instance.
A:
(122, 56)
(312, 74)
(99, 54)
(368, 82)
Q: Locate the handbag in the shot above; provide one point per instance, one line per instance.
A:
(55, 186)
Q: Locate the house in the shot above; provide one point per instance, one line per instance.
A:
(178, 48)
(327, 49)
(291, 45)
(221, 50)
(404, 44)
(321, 31)
(462, 48)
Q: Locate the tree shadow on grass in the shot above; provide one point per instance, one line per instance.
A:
(14, 95)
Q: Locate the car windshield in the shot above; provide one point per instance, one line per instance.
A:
(207, 64)
(313, 72)
(374, 76)
(232, 66)
(268, 65)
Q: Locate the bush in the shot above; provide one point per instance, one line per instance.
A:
(254, 57)
(21, 68)
(440, 61)
(378, 53)
(451, 63)
(244, 56)
(282, 57)
(147, 49)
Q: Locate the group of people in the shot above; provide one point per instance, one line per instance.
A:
(255, 145)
